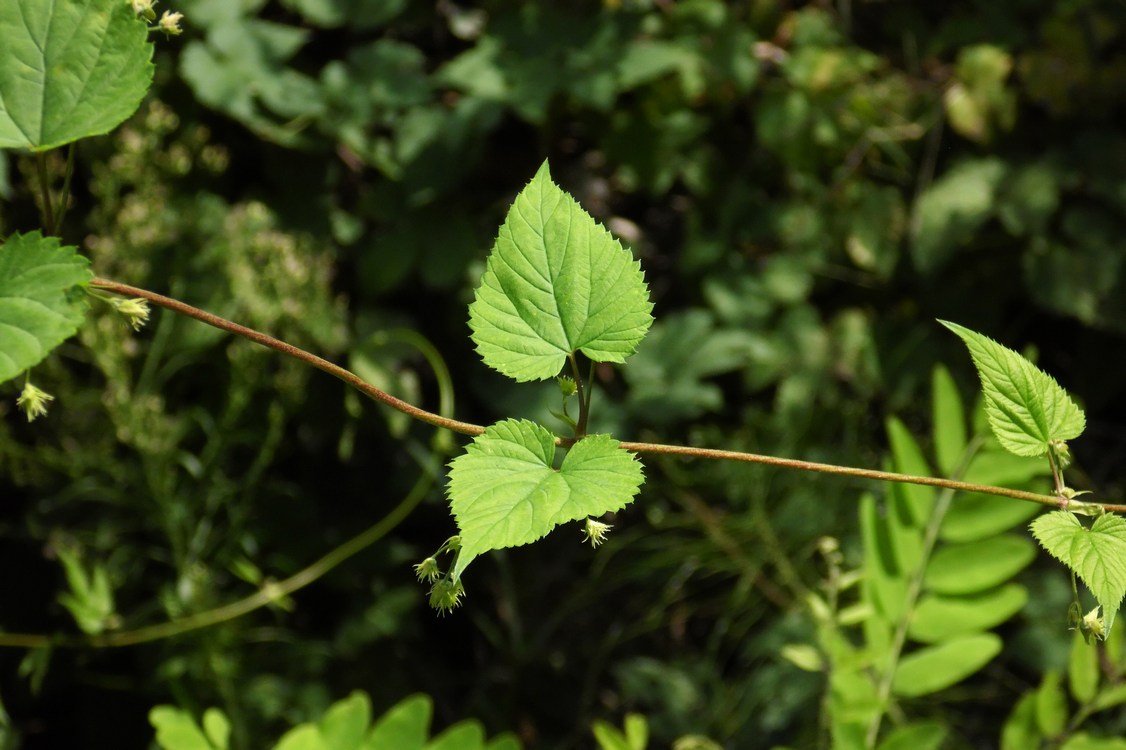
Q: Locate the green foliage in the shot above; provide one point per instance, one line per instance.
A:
(634, 734)
(90, 599)
(42, 299)
(345, 725)
(1096, 554)
(1049, 713)
(70, 70)
(505, 490)
(1028, 410)
(556, 283)
(925, 606)
(770, 166)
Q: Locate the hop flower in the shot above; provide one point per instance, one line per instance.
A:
(595, 531)
(445, 595)
(1094, 624)
(427, 570)
(144, 8)
(170, 23)
(136, 310)
(33, 401)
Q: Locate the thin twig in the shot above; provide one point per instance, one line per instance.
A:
(467, 428)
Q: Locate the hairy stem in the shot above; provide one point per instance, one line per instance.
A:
(467, 428)
(45, 193)
(581, 392)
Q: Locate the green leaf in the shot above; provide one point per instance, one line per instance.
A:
(1051, 705)
(405, 726)
(69, 69)
(556, 283)
(908, 458)
(465, 735)
(1027, 408)
(949, 418)
(504, 490)
(1021, 730)
(1084, 741)
(935, 668)
(1097, 555)
(345, 723)
(959, 569)
(42, 302)
(923, 735)
(302, 737)
(952, 208)
(177, 730)
(217, 728)
(1083, 669)
(939, 618)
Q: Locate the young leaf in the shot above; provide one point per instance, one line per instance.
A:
(555, 283)
(69, 69)
(41, 299)
(1027, 408)
(1097, 555)
(504, 490)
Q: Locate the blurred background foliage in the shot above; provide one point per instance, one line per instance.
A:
(808, 186)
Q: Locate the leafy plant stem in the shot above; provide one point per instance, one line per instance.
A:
(584, 401)
(1057, 474)
(914, 589)
(64, 196)
(45, 189)
(468, 428)
(268, 594)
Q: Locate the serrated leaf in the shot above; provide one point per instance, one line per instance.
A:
(1027, 408)
(555, 283)
(1097, 555)
(41, 299)
(935, 668)
(504, 490)
(69, 69)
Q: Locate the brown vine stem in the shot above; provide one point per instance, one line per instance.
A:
(467, 428)
(270, 342)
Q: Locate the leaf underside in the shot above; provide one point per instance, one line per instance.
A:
(1027, 408)
(555, 283)
(505, 492)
